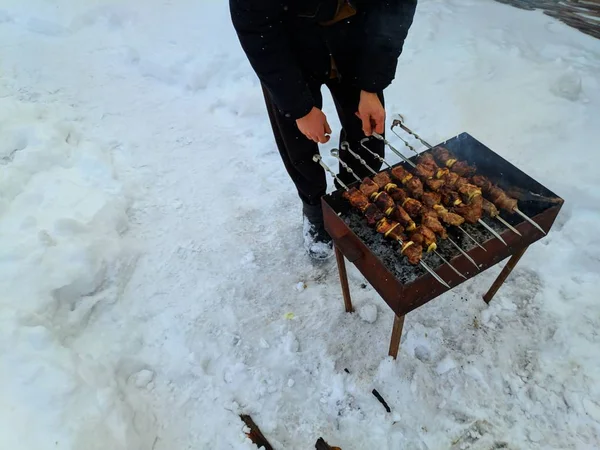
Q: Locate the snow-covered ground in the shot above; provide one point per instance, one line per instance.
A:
(150, 247)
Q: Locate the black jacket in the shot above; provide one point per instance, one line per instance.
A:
(288, 48)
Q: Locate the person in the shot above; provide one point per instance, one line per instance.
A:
(297, 46)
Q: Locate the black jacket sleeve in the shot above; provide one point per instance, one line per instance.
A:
(260, 29)
(386, 27)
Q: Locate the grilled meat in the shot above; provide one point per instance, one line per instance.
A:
(368, 187)
(431, 198)
(429, 219)
(390, 229)
(448, 217)
(412, 183)
(469, 192)
(381, 179)
(398, 194)
(463, 169)
(471, 212)
(490, 209)
(413, 252)
(383, 201)
(413, 207)
(427, 235)
(425, 171)
(372, 214)
(357, 199)
(495, 194)
(450, 197)
(434, 184)
(400, 215)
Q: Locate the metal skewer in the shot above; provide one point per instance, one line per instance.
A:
(336, 154)
(507, 225)
(378, 136)
(399, 123)
(448, 238)
(317, 158)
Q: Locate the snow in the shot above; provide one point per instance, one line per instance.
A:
(139, 310)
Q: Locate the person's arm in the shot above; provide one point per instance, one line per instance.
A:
(260, 29)
(386, 27)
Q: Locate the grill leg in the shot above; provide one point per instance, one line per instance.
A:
(339, 256)
(396, 335)
(510, 265)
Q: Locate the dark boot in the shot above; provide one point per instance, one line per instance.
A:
(317, 242)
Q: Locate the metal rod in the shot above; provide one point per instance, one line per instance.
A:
(317, 158)
(336, 154)
(346, 146)
(528, 219)
(508, 225)
(472, 238)
(450, 265)
(399, 123)
(404, 158)
(491, 230)
(378, 157)
(403, 140)
(433, 274)
(463, 252)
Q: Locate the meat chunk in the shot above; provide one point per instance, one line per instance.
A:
(430, 220)
(383, 201)
(463, 169)
(401, 216)
(471, 212)
(381, 179)
(468, 192)
(413, 207)
(398, 194)
(415, 187)
(448, 217)
(372, 214)
(424, 171)
(413, 252)
(390, 229)
(356, 198)
(450, 197)
(431, 198)
(490, 209)
(425, 237)
(369, 187)
(434, 184)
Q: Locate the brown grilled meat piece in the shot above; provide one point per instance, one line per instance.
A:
(471, 212)
(425, 237)
(482, 182)
(413, 252)
(412, 207)
(425, 171)
(450, 179)
(429, 219)
(427, 159)
(356, 198)
(490, 209)
(469, 192)
(368, 187)
(431, 198)
(450, 197)
(463, 169)
(448, 217)
(434, 184)
(400, 215)
(383, 201)
(372, 214)
(381, 179)
(400, 173)
(415, 187)
(443, 156)
(390, 229)
(398, 194)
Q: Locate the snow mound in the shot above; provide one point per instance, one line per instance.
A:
(62, 213)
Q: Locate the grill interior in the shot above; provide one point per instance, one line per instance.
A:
(533, 198)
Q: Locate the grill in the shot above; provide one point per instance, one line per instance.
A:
(405, 287)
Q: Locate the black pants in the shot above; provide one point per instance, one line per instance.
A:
(297, 150)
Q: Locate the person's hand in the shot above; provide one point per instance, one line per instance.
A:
(371, 112)
(314, 126)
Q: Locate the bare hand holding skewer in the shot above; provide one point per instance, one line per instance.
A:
(314, 126)
(371, 112)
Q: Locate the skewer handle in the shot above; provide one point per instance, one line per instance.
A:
(402, 139)
(319, 159)
(411, 132)
(336, 154)
(378, 157)
(404, 158)
(346, 146)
